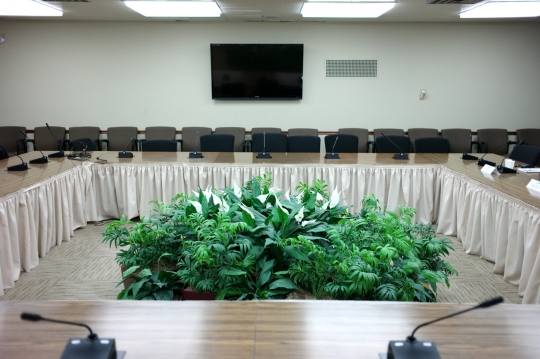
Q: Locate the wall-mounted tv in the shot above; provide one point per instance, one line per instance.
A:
(257, 71)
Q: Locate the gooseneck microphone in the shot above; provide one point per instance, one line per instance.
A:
(412, 348)
(482, 161)
(466, 155)
(89, 347)
(40, 160)
(60, 152)
(264, 154)
(23, 166)
(196, 154)
(124, 154)
(504, 169)
(333, 155)
(400, 155)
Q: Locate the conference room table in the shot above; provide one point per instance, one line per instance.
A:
(494, 216)
(270, 329)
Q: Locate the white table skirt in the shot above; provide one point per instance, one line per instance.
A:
(498, 227)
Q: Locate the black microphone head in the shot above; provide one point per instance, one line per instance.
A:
(47, 125)
(31, 317)
(490, 302)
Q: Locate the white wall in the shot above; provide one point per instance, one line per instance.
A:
(113, 73)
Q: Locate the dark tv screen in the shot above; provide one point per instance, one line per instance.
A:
(257, 71)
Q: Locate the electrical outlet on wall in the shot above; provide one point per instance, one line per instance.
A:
(422, 95)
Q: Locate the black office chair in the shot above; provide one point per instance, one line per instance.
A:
(383, 145)
(275, 142)
(159, 146)
(432, 145)
(3, 153)
(303, 144)
(345, 143)
(217, 143)
(363, 135)
(80, 143)
(76, 133)
(526, 154)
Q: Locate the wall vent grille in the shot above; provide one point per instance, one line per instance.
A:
(351, 68)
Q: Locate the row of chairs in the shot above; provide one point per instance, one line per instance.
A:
(119, 138)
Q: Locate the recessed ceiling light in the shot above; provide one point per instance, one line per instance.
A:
(345, 10)
(175, 8)
(27, 8)
(503, 9)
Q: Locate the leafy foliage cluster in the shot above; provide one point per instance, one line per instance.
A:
(255, 242)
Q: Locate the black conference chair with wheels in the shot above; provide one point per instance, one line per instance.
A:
(345, 143)
(303, 144)
(377, 132)
(159, 146)
(217, 143)
(527, 154)
(416, 133)
(432, 145)
(3, 153)
(383, 145)
(88, 132)
(239, 134)
(275, 142)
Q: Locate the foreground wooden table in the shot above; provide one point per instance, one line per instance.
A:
(270, 330)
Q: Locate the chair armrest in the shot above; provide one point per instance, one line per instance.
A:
(24, 145)
(478, 148)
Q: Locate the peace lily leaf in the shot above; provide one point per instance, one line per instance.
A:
(283, 283)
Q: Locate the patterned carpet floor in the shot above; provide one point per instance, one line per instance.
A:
(84, 269)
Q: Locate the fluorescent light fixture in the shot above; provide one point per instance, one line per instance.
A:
(175, 8)
(503, 9)
(345, 10)
(349, 1)
(27, 8)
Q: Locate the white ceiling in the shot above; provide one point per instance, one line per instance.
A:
(268, 11)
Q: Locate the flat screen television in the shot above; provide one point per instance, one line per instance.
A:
(257, 71)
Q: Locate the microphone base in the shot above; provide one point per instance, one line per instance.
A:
(400, 156)
(468, 157)
(403, 349)
(40, 160)
(20, 167)
(195, 155)
(59, 154)
(124, 154)
(263, 155)
(332, 156)
(84, 348)
(482, 162)
(503, 169)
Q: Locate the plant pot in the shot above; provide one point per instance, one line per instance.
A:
(128, 281)
(190, 294)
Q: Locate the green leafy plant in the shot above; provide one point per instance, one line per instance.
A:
(148, 285)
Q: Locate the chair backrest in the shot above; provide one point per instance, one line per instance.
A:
(217, 143)
(416, 133)
(265, 129)
(78, 144)
(9, 135)
(119, 138)
(432, 145)
(361, 133)
(189, 138)
(303, 144)
(275, 142)
(45, 141)
(160, 133)
(345, 143)
(492, 140)
(526, 153)
(239, 134)
(159, 146)
(460, 139)
(3, 153)
(383, 145)
(90, 132)
(303, 132)
(388, 132)
(531, 136)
